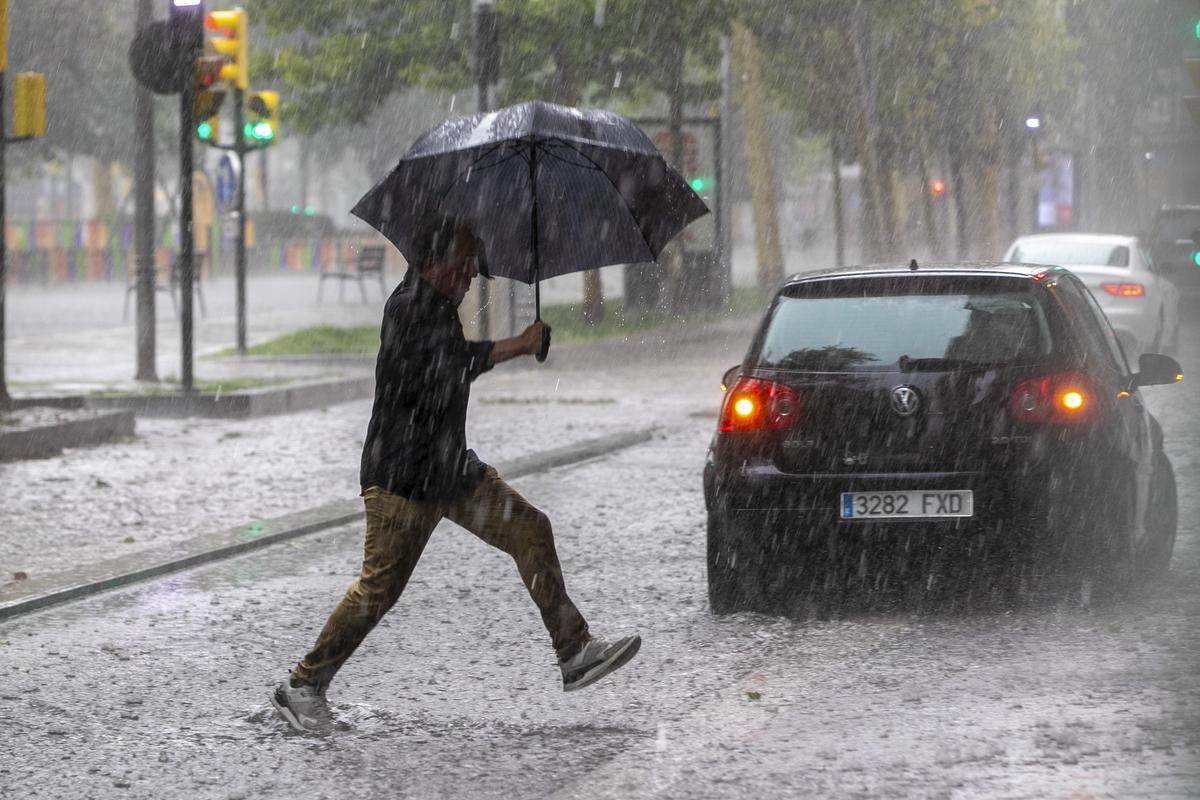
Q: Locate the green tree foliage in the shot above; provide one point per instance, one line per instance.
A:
(81, 46)
(340, 59)
(893, 82)
(1126, 51)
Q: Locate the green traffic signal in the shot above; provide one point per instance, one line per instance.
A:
(259, 131)
(1196, 257)
(204, 131)
(702, 184)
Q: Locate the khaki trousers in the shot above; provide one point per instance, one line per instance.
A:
(397, 530)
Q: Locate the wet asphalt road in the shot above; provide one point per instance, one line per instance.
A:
(160, 690)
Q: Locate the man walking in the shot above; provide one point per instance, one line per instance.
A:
(416, 470)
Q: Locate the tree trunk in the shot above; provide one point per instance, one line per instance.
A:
(896, 211)
(985, 185)
(958, 191)
(672, 288)
(102, 190)
(869, 202)
(928, 215)
(593, 297)
(987, 210)
(839, 220)
(873, 179)
(758, 157)
(567, 89)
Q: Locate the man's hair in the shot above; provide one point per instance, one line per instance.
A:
(436, 237)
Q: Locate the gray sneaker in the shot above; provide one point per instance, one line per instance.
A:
(302, 707)
(596, 659)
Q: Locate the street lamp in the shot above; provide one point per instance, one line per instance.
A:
(1033, 123)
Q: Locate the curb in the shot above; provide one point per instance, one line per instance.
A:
(244, 404)
(46, 441)
(116, 573)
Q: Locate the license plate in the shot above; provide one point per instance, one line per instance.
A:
(908, 505)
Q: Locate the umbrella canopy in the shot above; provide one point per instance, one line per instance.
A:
(548, 189)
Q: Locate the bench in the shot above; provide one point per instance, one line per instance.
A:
(173, 287)
(370, 261)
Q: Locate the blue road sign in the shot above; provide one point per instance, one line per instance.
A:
(227, 181)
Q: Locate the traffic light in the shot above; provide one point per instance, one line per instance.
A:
(209, 130)
(228, 39)
(702, 183)
(29, 105)
(262, 117)
(204, 108)
(937, 187)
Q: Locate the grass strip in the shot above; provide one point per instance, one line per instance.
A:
(566, 320)
(216, 386)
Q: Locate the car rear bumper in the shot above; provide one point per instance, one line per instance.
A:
(763, 496)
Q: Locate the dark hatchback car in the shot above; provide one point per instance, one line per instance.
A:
(889, 421)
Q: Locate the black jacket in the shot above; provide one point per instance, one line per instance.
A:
(416, 440)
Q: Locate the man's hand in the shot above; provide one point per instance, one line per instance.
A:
(526, 343)
(531, 338)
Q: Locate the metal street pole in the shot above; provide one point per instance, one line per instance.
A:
(239, 147)
(484, 14)
(263, 182)
(143, 115)
(724, 277)
(191, 36)
(5, 398)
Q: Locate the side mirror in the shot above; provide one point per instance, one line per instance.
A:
(1157, 370)
(730, 376)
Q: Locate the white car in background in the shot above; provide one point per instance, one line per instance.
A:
(1141, 303)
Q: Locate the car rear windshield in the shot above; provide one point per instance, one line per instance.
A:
(1066, 253)
(825, 328)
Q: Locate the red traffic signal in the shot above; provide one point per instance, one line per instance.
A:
(937, 187)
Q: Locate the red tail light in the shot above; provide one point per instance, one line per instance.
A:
(756, 405)
(1124, 289)
(1064, 399)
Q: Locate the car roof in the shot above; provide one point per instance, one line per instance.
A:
(1081, 238)
(948, 269)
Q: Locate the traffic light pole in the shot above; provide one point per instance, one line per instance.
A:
(5, 400)
(143, 115)
(239, 147)
(186, 240)
(482, 13)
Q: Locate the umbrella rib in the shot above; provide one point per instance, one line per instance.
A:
(475, 163)
(598, 168)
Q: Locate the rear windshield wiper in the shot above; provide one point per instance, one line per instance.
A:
(907, 364)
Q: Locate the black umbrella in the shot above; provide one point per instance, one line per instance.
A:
(548, 189)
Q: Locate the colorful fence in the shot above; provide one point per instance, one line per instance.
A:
(55, 253)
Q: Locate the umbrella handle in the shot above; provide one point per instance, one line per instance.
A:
(541, 354)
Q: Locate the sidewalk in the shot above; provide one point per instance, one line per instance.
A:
(72, 338)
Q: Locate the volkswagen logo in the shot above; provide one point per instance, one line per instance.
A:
(905, 400)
